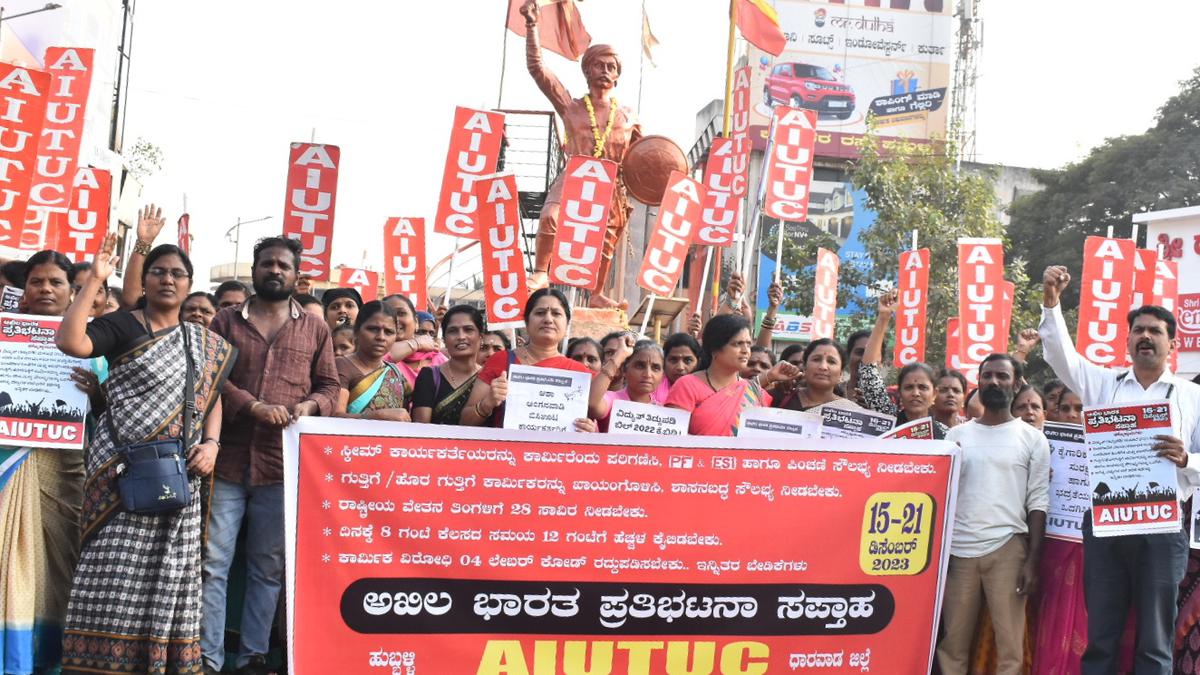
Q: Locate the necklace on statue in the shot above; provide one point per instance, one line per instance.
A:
(599, 139)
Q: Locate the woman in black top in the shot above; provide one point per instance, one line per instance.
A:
(441, 392)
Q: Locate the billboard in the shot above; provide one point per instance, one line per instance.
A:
(847, 60)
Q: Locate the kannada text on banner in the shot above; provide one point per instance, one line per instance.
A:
(453, 550)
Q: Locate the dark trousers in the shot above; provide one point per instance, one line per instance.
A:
(1145, 570)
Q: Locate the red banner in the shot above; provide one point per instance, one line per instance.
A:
(980, 307)
(1105, 293)
(674, 231)
(432, 549)
(404, 260)
(1166, 295)
(910, 315)
(308, 208)
(724, 173)
(70, 69)
(587, 193)
(364, 281)
(474, 149)
(789, 169)
(740, 126)
(83, 227)
(504, 289)
(183, 226)
(824, 314)
(23, 96)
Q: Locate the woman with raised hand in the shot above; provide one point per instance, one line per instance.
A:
(135, 603)
(716, 394)
(641, 365)
(916, 381)
(547, 315)
(442, 391)
(372, 388)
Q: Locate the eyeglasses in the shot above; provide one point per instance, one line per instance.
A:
(161, 272)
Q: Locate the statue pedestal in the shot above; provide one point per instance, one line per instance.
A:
(596, 323)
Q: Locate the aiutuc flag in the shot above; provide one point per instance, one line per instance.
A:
(759, 24)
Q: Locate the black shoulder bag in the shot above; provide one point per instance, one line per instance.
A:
(152, 476)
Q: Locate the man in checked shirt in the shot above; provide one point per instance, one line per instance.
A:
(285, 370)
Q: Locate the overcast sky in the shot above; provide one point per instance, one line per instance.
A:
(223, 88)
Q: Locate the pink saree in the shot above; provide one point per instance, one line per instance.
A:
(715, 413)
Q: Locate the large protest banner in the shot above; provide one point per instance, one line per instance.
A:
(311, 201)
(458, 550)
(40, 406)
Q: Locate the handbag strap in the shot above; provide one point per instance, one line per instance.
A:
(189, 397)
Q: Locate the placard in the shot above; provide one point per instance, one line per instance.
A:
(674, 230)
(81, 230)
(404, 260)
(366, 282)
(309, 207)
(916, 430)
(436, 549)
(587, 195)
(740, 126)
(789, 168)
(1133, 490)
(10, 298)
(1105, 293)
(474, 149)
(55, 175)
(1070, 492)
(980, 275)
(23, 95)
(854, 422)
(913, 290)
(724, 177)
(40, 406)
(824, 316)
(504, 285)
(631, 417)
(760, 422)
(545, 399)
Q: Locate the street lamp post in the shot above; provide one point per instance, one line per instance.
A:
(236, 231)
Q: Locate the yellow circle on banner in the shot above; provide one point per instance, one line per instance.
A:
(897, 533)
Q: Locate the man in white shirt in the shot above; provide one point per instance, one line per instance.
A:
(1143, 569)
(999, 520)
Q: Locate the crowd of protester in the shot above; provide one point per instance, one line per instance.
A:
(91, 587)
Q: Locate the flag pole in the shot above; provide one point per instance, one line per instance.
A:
(642, 60)
(726, 124)
(503, 56)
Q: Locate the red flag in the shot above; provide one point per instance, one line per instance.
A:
(587, 193)
(185, 233)
(474, 150)
(789, 168)
(559, 27)
(82, 228)
(309, 205)
(759, 24)
(23, 95)
(58, 150)
(910, 316)
(365, 282)
(980, 276)
(678, 218)
(1105, 293)
(825, 294)
(404, 259)
(504, 289)
(723, 174)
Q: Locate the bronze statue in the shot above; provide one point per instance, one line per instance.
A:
(596, 126)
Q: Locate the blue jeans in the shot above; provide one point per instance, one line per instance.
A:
(262, 509)
(1145, 569)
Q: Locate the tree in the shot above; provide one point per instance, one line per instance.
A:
(911, 186)
(1158, 169)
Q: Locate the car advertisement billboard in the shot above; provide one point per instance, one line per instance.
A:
(847, 60)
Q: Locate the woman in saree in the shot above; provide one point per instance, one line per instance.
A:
(948, 404)
(915, 382)
(40, 493)
(716, 394)
(135, 601)
(442, 391)
(412, 352)
(640, 365)
(547, 315)
(823, 361)
(373, 388)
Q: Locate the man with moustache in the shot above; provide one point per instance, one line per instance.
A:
(285, 370)
(1144, 570)
(999, 520)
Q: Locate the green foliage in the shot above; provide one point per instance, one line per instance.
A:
(1155, 170)
(145, 159)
